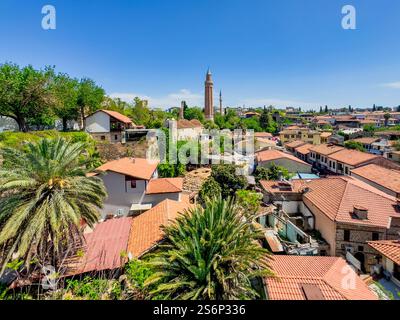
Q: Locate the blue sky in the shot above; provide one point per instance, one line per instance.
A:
(281, 52)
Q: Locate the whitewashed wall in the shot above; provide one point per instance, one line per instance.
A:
(98, 122)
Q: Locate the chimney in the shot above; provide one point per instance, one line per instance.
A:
(360, 212)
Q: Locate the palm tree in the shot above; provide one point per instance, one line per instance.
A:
(45, 195)
(209, 254)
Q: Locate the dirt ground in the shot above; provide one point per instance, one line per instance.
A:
(115, 151)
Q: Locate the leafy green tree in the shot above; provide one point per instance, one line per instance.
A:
(209, 189)
(369, 128)
(274, 172)
(44, 197)
(191, 113)
(249, 202)
(267, 122)
(167, 170)
(90, 98)
(354, 145)
(25, 94)
(65, 90)
(252, 124)
(209, 254)
(115, 104)
(228, 179)
(386, 117)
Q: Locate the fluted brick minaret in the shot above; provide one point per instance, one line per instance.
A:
(209, 99)
(221, 108)
(182, 110)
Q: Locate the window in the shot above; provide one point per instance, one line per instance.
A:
(346, 170)
(375, 236)
(346, 235)
(131, 182)
(116, 137)
(103, 137)
(334, 165)
(360, 248)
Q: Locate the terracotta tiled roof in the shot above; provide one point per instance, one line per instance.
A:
(387, 178)
(270, 155)
(326, 134)
(104, 248)
(277, 186)
(304, 149)
(133, 167)
(146, 229)
(295, 144)
(263, 135)
(324, 275)
(337, 196)
(352, 157)
(185, 124)
(326, 149)
(118, 116)
(366, 140)
(165, 185)
(387, 248)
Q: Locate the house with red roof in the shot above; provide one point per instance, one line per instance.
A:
(107, 125)
(133, 186)
(346, 212)
(266, 158)
(113, 242)
(314, 278)
(387, 262)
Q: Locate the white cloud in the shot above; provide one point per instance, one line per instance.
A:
(171, 100)
(393, 85)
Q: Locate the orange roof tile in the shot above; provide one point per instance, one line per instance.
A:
(387, 178)
(146, 229)
(388, 248)
(337, 196)
(327, 275)
(304, 149)
(326, 149)
(104, 247)
(165, 185)
(263, 135)
(295, 144)
(352, 157)
(366, 140)
(133, 167)
(278, 187)
(185, 124)
(326, 134)
(270, 155)
(118, 116)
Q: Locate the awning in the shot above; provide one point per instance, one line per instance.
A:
(141, 207)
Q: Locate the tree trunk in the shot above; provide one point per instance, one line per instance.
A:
(82, 120)
(64, 124)
(22, 124)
